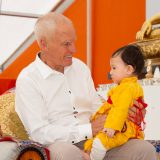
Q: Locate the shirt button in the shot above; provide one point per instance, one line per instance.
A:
(74, 116)
(72, 142)
(74, 108)
(69, 92)
(86, 137)
(75, 112)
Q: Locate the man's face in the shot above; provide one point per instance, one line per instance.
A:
(61, 47)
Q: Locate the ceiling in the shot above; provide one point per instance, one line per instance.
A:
(17, 19)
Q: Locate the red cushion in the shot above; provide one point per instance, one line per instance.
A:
(6, 84)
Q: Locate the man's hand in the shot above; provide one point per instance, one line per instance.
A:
(98, 124)
(133, 111)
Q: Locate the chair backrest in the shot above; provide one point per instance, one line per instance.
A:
(10, 123)
(150, 46)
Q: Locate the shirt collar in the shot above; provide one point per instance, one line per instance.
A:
(45, 70)
(130, 79)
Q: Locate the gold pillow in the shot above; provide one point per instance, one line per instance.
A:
(10, 123)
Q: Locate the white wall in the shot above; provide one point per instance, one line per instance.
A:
(152, 7)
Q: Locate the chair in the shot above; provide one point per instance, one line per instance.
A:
(148, 38)
(12, 129)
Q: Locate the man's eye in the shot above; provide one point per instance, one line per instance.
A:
(67, 44)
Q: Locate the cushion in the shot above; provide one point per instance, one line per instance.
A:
(8, 150)
(10, 123)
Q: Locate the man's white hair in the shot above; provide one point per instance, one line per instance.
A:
(47, 25)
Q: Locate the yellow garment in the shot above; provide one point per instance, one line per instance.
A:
(122, 97)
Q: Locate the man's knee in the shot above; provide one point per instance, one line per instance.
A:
(64, 151)
(134, 149)
(141, 149)
(147, 150)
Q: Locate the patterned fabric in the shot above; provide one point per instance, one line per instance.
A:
(28, 145)
(10, 123)
(12, 129)
(156, 144)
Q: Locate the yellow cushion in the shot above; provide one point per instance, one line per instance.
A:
(10, 123)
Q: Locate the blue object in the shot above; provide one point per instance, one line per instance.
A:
(158, 148)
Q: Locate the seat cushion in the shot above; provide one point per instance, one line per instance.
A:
(8, 150)
(10, 123)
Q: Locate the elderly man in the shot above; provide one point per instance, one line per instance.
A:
(55, 97)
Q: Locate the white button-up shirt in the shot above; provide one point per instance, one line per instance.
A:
(55, 106)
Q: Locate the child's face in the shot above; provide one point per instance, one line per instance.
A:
(119, 69)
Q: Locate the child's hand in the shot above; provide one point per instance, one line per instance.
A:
(110, 132)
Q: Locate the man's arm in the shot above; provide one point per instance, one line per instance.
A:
(98, 124)
(31, 108)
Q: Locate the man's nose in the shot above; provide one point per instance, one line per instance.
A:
(72, 48)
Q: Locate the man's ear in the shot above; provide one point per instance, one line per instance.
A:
(130, 69)
(43, 44)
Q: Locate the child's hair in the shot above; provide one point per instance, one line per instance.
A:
(131, 55)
